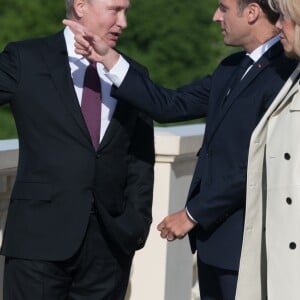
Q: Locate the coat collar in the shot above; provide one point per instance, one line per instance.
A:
(56, 58)
(290, 88)
(284, 95)
(256, 69)
(295, 104)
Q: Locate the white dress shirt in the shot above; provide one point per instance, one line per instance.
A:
(78, 65)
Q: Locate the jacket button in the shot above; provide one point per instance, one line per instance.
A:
(293, 245)
(287, 156)
(97, 155)
(289, 200)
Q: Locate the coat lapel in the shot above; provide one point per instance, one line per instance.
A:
(113, 126)
(293, 89)
(287, 91)
(56, 57)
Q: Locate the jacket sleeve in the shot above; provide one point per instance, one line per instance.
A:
(217, 204)
(163, 104)
(136, 218)
(9, 74)
(131, 228)
(140, 178)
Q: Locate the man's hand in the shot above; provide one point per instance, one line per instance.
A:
(175, 226)
(91, 45)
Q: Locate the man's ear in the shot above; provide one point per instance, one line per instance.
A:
(79, 7)
(253, 11)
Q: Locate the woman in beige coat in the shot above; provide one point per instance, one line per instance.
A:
(270, 260)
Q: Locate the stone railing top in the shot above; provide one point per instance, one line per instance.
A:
(179, 140)
(174, 142)
(8, 155)
(6, 145)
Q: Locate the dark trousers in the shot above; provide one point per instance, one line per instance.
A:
(216, 283)
(96, 272)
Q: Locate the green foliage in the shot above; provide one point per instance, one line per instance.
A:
(176, 40)
(7, 124)
(22, 19)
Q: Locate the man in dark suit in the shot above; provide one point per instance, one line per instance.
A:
(232, 104)
(79, 207)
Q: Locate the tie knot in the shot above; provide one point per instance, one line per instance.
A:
(91, 79)
(93, 64)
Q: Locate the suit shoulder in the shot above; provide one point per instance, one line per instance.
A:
(233, 58)
(284, 66)
(28, 43)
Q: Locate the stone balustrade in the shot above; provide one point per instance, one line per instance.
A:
(161, 270)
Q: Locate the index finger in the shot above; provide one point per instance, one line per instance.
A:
(75, 27)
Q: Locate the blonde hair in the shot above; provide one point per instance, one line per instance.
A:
(291, 9)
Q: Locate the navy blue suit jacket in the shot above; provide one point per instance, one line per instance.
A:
(59, 172)
(218, 190)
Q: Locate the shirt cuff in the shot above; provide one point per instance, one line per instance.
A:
(190, 216)
(118, 72)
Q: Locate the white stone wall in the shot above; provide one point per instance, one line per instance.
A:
(162, 270)
(8, 164)
(167, 270)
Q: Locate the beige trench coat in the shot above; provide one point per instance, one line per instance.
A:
(270, 259)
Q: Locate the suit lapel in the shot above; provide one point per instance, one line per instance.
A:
(256, 69)
(113, 126)
(56, 57)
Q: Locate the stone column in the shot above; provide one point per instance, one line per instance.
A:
(164, 270)
(8, 165)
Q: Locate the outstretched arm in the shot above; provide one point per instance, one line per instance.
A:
(161, 104)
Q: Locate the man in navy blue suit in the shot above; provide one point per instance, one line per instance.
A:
(232, 104)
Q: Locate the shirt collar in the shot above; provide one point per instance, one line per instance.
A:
(73, 56)
(70, 40)
(262, 49)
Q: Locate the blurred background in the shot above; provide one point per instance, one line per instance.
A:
(175, 39)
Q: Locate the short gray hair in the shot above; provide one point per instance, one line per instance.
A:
(69, 8)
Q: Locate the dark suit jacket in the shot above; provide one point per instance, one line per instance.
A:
(59, 172)
(217, 194)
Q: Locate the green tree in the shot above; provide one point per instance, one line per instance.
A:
(177, 41)
(20, 19)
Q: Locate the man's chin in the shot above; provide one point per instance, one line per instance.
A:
(112, 44)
